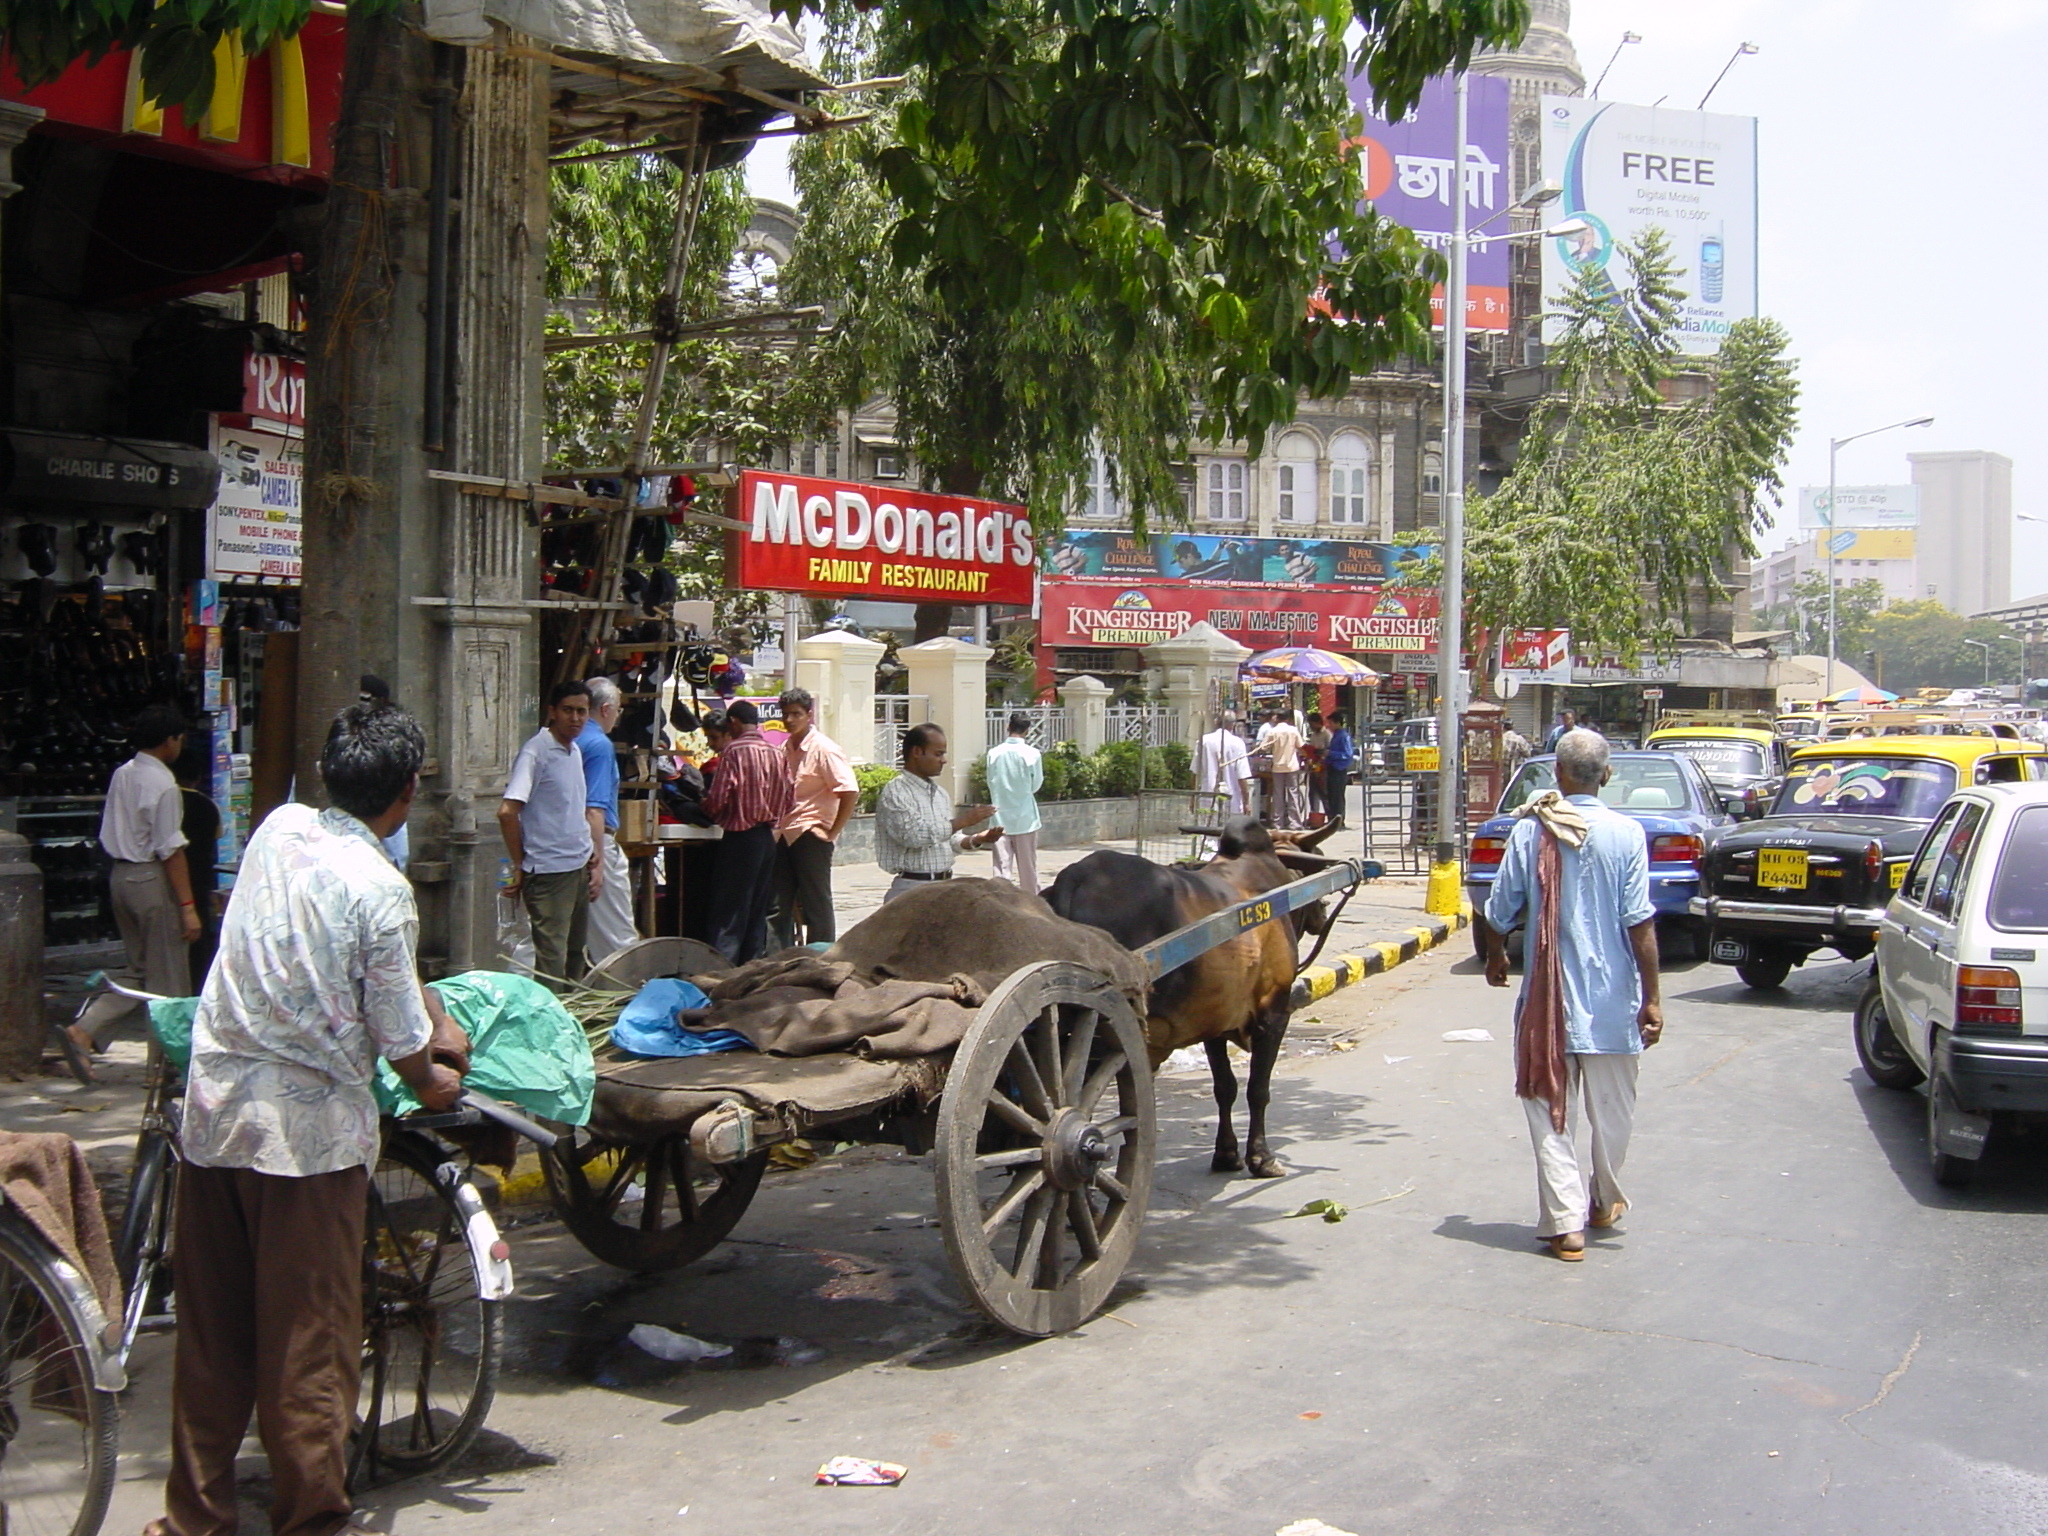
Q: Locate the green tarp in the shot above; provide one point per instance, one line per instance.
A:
(524, 1046)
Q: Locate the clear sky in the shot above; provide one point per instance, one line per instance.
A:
(1901, 145)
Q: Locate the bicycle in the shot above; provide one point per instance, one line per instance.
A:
(60, 1381)
(436, 1274)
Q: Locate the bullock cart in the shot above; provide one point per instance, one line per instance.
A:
(1041, 1122)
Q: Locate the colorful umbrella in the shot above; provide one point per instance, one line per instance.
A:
(1861, 695)
(1307, 664)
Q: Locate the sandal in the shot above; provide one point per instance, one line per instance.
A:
(1605, 1215)
(76, 1057)
(1569, 1246)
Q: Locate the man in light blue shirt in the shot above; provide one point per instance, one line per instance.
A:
(1589, 1004)
(1015, 772)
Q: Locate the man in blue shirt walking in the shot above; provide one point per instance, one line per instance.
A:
(1577, 875)
(611, 910)
(1015, 772)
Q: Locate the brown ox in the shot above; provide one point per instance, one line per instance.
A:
(1238, 991)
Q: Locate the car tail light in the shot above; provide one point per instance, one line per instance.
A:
(1987, 998)
(1873, 861)
(1676, 849)
(1488, 851)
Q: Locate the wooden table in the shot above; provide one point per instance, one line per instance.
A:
(669, 845)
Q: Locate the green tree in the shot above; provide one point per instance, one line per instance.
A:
(1626, 505)
(1923, 645)
(1806, 615)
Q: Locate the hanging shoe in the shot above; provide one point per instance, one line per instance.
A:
(38, 543)
(95, 545)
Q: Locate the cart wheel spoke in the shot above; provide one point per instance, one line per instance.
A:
(1098, 1080)
(686, 1185)
(1111, 1185)
(629, 1163)
(1079, 1048)
(1031, 1235)
(1022, 1188)
(688, 1207)
(1030, 1082)
(1081, 1217)
(1121, 1125)
(1015, 1117)
(1020, 1157)
(1044, 1033)
(656, 1190)
(1050, 1260)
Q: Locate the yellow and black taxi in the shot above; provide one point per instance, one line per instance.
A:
(1744, 761)
(1816, 871)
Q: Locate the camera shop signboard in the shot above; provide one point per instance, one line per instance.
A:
(1093, 613)
(254, 527)
(835, 538)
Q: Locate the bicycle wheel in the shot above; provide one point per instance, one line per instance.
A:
(57, 1430)
(431, 1339)
(142, 1251)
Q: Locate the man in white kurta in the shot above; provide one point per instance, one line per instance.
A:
(1223, 765)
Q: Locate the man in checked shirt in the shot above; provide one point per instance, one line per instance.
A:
(916, 830)
(749, 794)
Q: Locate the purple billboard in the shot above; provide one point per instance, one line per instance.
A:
(1410, 174)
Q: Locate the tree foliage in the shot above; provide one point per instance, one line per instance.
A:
(1626, 504)
(1924, 644)
(1077, 221)
(1806, 615)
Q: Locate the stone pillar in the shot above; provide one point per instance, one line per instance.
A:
(1087, 700)
(838, 667)
(21, 958)
(953, 677)
(1188, 667)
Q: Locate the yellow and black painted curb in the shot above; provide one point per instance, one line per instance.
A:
(1336, 971)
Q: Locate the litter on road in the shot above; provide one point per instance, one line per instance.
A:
(667, 1344)
(1471, 1036)
(858, 1472)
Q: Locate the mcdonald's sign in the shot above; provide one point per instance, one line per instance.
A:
(270, 116)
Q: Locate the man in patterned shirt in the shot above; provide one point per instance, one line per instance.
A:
(748, 795)
(916, 831)
(314, 982)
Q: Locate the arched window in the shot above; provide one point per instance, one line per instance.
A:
(1295, 479)
(1350, 480)
(1432, 472)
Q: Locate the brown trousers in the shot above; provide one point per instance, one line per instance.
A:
(269, 1275)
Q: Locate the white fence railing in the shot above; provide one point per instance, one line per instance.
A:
(896, 713)
(1153, 724)
(1050, 724)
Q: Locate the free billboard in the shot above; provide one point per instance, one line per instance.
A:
(1860, 506)
(1624, 169)
(1410, 172)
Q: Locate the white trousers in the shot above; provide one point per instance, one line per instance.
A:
(1016, 859)
(611, 916)
(1605, 1088)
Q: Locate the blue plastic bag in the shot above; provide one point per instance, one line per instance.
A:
(647, 1025)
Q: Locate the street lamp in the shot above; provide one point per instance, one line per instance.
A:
(1746, 48)
(1626, 39)
(1835, 445)
(1445, 894)
(1985, 647)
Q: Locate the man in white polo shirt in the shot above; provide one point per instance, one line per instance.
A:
(556, 862)
(141, 829)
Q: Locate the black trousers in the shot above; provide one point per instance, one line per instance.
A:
(803, 891)
(1336, 782)
(746, 882)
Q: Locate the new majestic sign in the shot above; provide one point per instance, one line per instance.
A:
(835, 538)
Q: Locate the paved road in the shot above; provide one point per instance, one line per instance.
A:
(1795, 1331)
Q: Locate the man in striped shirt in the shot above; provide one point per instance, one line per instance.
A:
(916, 830)
(748, 795)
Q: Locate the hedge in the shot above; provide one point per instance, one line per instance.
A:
(1109, 772)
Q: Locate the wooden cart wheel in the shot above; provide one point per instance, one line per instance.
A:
(1046, 1138)
(647, 1206)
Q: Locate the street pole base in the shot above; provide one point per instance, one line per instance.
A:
(1446, 894)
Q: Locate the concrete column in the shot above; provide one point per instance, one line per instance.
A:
(1087, 700)
(1188, 667)
(838, 667)
(953, 676)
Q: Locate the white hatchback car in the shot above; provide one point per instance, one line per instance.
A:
(1960, 999)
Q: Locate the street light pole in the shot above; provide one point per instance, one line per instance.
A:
(1450, 618)
(1835, 445)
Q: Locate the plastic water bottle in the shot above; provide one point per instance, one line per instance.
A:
(1710, 269)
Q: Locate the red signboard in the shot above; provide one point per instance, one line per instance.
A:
(836, 538)
(271, 116)
(1099, 614)
(274, 388)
